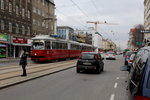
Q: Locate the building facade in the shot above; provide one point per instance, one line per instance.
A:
(136, 38)
(147, 19)
(65, 32)
(15, 26)
(43, 17)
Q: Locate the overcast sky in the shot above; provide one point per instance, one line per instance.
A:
(126, 13)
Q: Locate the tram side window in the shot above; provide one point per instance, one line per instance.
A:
(64, 46)
(54, 45)
(47, 45)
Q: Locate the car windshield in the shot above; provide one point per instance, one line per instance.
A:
(87, 56)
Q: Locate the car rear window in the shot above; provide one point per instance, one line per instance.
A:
(130, 53)
(87, 56)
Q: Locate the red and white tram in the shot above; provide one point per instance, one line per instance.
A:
(47, 48)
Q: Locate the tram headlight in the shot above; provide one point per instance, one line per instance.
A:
(35, 54)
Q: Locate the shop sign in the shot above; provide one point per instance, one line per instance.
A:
(20, 40)
(3, 37)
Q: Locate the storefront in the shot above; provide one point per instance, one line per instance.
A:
(19, 43)
(3, 45)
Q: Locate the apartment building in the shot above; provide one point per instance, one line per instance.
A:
(43, 17)
(147, 18)
(15, 26)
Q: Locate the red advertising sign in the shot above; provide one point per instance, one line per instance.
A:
(20, 40)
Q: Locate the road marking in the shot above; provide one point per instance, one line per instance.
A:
(115, 86)
(120, 78)
(112, 97)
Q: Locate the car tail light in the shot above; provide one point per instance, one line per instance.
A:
(106, 54)
(96, 57)
(141, 98)
(131, 61)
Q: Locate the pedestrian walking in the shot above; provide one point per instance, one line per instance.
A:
(23, 61)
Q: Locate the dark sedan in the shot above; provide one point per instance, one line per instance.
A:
(90, 61)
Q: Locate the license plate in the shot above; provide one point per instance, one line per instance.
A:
(87, 63)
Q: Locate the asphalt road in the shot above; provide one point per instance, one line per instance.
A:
(69, 85)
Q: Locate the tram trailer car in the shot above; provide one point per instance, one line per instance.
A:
(46, 48)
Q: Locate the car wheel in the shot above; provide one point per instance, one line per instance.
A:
(126, 63)
(102, 69)
(78, 70)
(98, 70)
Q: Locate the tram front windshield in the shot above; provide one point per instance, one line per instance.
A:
(38, 45)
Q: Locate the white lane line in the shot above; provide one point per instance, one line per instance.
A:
(117, 78)
(116, 84)
(112, 97)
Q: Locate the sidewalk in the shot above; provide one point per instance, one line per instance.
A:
(10, 59)
(12, 77)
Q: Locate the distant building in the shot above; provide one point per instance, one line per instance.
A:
(109, 45)
(136, 38)
(65, 32)
(147, 19)
(43, 17)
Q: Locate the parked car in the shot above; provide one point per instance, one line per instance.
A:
(131, 59)
(110, 55)
(90, 61)
(127, 56)
(138, 84)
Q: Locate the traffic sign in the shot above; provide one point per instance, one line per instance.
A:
(145, 31)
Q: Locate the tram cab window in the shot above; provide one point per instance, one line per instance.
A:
(38, 45)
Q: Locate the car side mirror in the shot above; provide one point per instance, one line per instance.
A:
(125, 68)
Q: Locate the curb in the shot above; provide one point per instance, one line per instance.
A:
(36, 77)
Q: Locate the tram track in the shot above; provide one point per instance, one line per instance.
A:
(33, 69)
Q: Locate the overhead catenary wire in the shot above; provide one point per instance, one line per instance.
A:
(72, 19)
(80, 9)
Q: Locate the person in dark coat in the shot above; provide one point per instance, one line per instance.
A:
(23, 62)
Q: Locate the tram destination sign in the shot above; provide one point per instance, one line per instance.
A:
(145, 31)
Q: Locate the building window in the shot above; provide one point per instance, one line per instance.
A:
(43, 14)
(38, 23)
(23, 30)
(39, 12)
(10, 27)
(29, 1)
(28, 32)
(2, 4)
(43, 2)
(28, 13)
(17, 10)
(17, 28)
(22, 12)
(43, 24)
(34, 22)
(34, 9)
(2, 25)
(10, 7)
